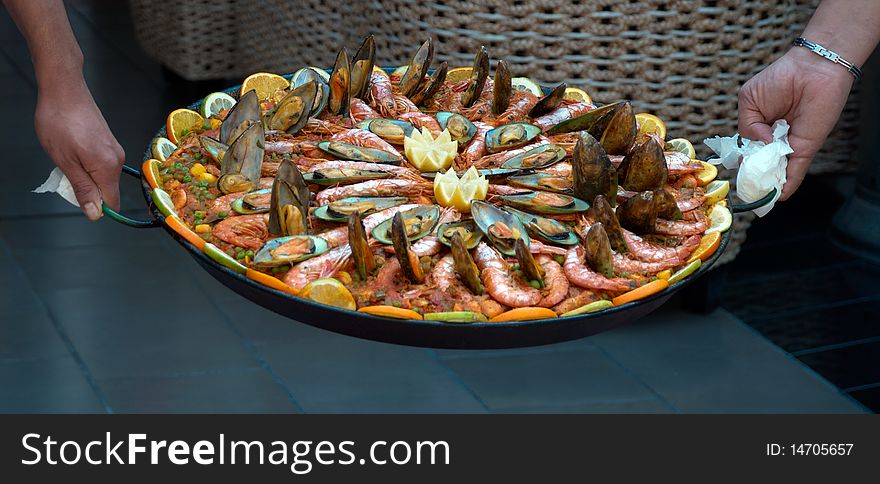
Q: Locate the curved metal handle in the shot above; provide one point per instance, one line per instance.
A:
(114, 215)
(748, 207)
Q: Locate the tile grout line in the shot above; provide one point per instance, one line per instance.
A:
(836, 346)
(65, 338)
(458, 379)
(635, 377)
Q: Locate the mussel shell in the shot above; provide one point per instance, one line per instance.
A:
(549, 102)
(598, 250)
(289, 190)
(487, 215)
(340, 85)
(583, 122)
(639, 213)
(364, 261)
(545, 202)
(342, 176)
(292, 112)
(460, 128)
(592, 171)
(473, 233)
(362, 67)
(245, 113)
(618, 130)
(423, 219)
(418, 67)
(213, 148)
(351, 152)
(270, 256)
(502, 88)
(667, 207)
(644, 168)
(242, 161)
(391, 130)
(536, 158)
(322, 92)
(254, 202)
(432, 85)
(511, 136)
(409, 262)
(464, 264)
(546, 229)
(603, 213)
(541, 181)
(527, 264)
(479, 74)
(342, 209)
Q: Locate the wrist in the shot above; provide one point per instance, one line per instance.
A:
(809, 61)
(60, 75)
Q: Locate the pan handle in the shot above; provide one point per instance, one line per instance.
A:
(139, 224)
(748, 207)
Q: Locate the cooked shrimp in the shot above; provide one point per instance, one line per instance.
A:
(402, 104)
(247, 231)
(648, 252)
(359, 165)
(421, 120)
(682, 227)
(360, 110)
(538, 247)
(582, 298)
(374, 188)
(381, 95)
(325, 265)
(499, 281)
(497, 159)
(320, 126)
(521, 102)
(555, 282)
(563, 113)
(442, 276)
(623, 264)
(578, 273)
(475, 148)
(561, 169)
(365, 139)
(339, 235)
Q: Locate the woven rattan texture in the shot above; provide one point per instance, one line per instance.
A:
(681, 59)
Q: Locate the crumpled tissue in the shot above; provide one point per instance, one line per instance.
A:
(763, 164)
(58, 183)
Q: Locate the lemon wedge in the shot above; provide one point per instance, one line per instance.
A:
(716, 191)
(428, 153)
(681, 145)
(720, 219)
(452, 191)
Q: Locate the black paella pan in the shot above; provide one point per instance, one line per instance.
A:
(425, 333)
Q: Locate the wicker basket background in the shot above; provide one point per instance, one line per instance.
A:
(681, 59)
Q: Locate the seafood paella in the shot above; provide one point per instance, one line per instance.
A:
(426, 192)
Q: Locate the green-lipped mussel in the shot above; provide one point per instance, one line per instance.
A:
(289, 250)
(502, 88)
(470, 233)
(639, 213)
(549, 102)
(545, 229)
(351, 152)
(289, 205)
(409, 261)
(510, 136)
(545, 202)
(322, 94)
(602, 212)
(479, 74)
(342, 209)
(598, 250)
(391, 130)
(292, 112)
(254, 202)
(419, 222)
(245, 113)
(417, 68)
(240, 169)
(460, 128)
(364, 261)
(464, 264)
(527, 264)
(502, 228)
(644, 167)
(591, 170)
(536, 158)
(340, 85)
(541, 181)
(432, 85)
(614, 125)
(342, 176)
(362, 67)
(213, 148)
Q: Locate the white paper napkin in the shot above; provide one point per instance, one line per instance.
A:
(58, 183)
(763, 164)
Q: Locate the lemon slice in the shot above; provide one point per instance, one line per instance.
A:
(329, 291)
(720, 219)
(216, 102)
(452, 191)
(430, 154)
(681, 145)
(685, 271)
(650, 124)
(162, 148)
(458, 74)
(578, 95)
(526, 84)
(707, 174)
(716, 191)
(265, 83)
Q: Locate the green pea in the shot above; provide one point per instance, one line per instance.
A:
(559, 259)
(249, 253)
(535, 283)
(223, 214)
(187, 178)
(515, 267)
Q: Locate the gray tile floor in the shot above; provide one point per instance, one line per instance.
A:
(95, 317)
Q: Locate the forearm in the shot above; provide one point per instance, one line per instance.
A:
(56, 55)
(849, 27)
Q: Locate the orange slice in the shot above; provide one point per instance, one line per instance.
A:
(184, 231)
(642, 292)
(458, 74)
(648, 123)
(150, 170)
(273, 282)
(390, 312)
(578, 95)
(182, 121)
(524, 314)
(265, 83)
(708, 245)
(329, 291)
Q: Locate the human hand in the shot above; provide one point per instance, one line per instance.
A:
(74, 133)
(807, 91)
